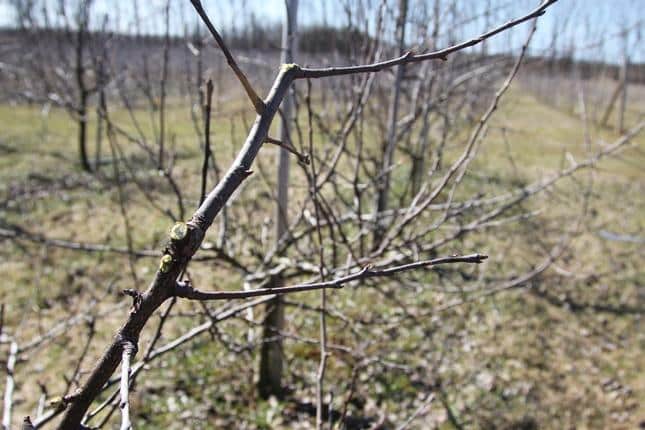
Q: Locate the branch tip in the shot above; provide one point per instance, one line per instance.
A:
(302, 158)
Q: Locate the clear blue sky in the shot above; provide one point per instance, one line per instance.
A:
(592, 26)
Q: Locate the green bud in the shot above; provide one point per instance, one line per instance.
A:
(178, 231)
(165, 263)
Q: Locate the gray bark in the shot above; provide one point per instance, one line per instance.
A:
(623, 98)
(271, 355)
(383, 185)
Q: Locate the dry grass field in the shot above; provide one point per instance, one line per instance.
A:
(566, 350)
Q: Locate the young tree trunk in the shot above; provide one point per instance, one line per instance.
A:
(162, 87)
(81, 110)
(82, 133)
(99, 132)
(101, 82)
(271, 355)
(620, 91)
(420, 156)
(623, 98)
(383, 184)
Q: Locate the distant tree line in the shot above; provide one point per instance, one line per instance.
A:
(320, 39)
(313, 39)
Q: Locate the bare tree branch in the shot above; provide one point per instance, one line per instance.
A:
(258, 104)
(185, 290)
(411, 57)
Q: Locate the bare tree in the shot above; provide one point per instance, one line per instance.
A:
(390, 142)
(71, 45)
(82, 20)
(327, 241)
(271, 356)
(186, 238)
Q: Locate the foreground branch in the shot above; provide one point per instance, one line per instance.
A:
(411, 57)
(185, 289)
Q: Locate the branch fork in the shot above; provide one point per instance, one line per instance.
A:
(288, 146)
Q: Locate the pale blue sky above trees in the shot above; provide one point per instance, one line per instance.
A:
(589, 28)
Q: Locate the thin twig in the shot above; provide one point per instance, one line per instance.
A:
(421, 409)
(207, 137)
(258, 104)
(303, 158)
(411, 57)
(185, 290)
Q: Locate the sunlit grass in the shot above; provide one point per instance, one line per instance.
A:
(39, 152)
